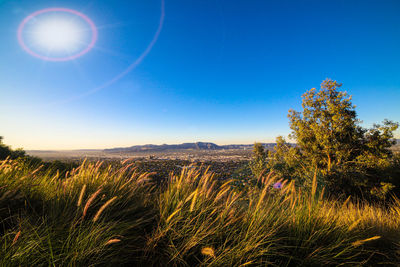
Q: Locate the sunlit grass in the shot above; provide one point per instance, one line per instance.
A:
(98, 215)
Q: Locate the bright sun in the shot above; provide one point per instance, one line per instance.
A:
(58, 35)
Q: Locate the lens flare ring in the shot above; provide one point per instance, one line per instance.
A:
(91, 44)
(135, 63)
(116, 78)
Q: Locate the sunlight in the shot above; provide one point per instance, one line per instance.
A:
(58, 34)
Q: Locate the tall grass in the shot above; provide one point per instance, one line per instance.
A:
(104, 215)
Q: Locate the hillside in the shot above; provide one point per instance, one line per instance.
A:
(111, 215)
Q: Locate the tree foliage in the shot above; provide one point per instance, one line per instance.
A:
(6, 151)
(258, 162)
(327, 130)
(330, 140)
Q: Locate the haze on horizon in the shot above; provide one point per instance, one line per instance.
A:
(218, 71)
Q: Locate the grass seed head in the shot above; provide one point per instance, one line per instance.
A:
(16, 237)
(361, 242)
(89, 202)
(208, 251)
(105, 205)
(81, 196)
(112, 241)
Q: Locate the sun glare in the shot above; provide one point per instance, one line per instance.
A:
(58, 34)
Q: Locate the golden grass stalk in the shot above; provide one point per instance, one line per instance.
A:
(210, 189)
(226, 184)
(89, 202)
(247, 263)
(354, 224)
(173, 214)
(346, 201)
(98, 165)
(81, 168)
(190, 196)
(233, 196)
(361, 242)
(143, 178)
(267, 178)
(208, 251)
(112, 241)
(314, 184)
(125, 161)
(4, 162)
(81, 196)
(38, 169)
(321, 196)
(207, 178)
(261, 198)
(16, 237)
(102, 208)
(64, 187)
(194, 200)
(220, 194)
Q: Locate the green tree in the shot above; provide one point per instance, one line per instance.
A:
(258, 162)
(329, 139)
(286, 160)
(327, 130)
(6, 151)
(378, 140)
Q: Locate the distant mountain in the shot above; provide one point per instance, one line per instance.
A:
(184, 146)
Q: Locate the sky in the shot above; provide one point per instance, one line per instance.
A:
(184, 71)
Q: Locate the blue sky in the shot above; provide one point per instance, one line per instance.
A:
(220, 71)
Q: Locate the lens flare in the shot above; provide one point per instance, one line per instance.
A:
(56, 34)
(133, 65)
(51, 42)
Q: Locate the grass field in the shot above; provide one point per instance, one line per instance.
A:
(116, 215)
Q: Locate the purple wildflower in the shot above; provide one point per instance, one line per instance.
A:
(278, 185)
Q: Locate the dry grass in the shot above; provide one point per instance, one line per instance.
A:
(192, 220)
